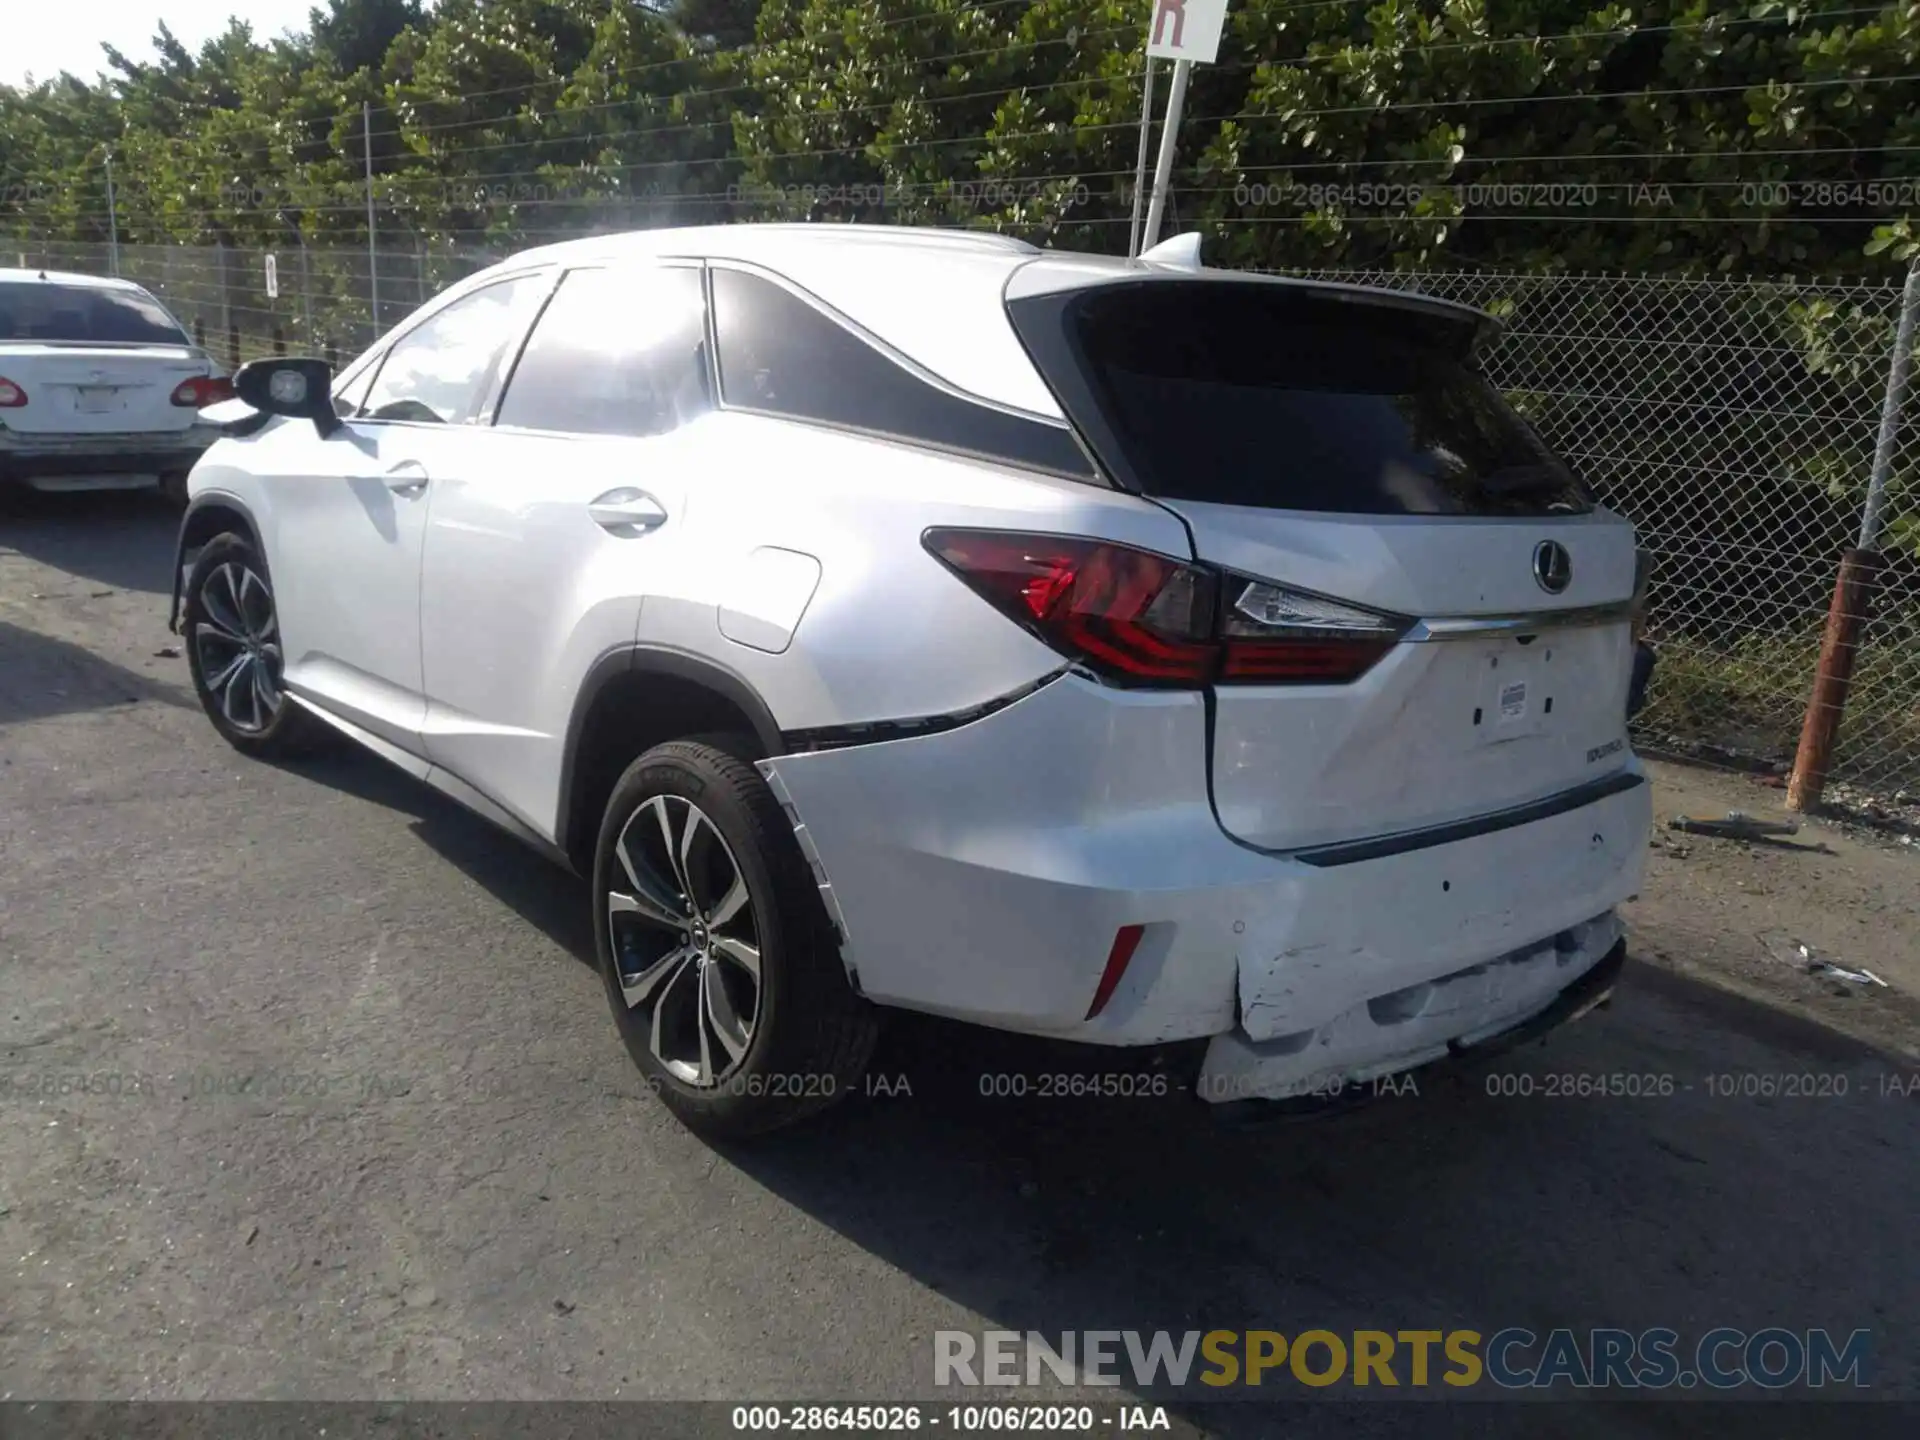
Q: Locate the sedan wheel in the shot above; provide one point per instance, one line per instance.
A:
(686, 939)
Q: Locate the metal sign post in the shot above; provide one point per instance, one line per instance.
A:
(1186, 32)
(1140, 164)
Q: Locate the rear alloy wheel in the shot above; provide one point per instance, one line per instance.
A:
(233, 649)
(722, 969)
(686, 944)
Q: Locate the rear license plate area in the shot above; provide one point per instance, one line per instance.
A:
(1514, 696)
(97, 399)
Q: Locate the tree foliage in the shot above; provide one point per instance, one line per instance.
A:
(1683, 135)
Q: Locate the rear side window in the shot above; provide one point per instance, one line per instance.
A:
(782, 356)
(617, 352)
(82, 315)
(1259, 395)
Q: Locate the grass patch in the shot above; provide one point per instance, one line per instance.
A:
(1750, 699)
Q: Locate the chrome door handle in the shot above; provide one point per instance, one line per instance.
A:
(627, 510)
(409, 477)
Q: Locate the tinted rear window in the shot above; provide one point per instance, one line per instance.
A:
(75, 314)
(1262, 396)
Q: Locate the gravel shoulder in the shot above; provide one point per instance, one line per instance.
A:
(1736, 913)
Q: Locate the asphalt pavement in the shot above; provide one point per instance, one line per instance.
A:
(444, 1179)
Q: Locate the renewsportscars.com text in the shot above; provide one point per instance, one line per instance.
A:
(1513, 1358)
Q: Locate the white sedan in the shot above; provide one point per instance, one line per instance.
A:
(100, 388)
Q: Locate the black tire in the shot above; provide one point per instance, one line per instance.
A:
(219, 629)
(173, 488)
(809, 1038)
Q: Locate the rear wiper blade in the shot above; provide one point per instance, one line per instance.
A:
(1519, 479)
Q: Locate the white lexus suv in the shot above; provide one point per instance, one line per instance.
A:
(100, 388)
(1124, 652)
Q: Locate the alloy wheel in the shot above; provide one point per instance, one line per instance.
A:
(237, 642)
(686, 939)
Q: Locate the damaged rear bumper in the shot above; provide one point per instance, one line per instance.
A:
(1529, 990)
(985, 872)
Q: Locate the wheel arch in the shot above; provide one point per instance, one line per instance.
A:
(631, 700)
(208, 515)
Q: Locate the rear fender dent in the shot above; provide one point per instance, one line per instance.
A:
(775, 782)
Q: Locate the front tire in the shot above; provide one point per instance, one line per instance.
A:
(722, 969)
(232, 634)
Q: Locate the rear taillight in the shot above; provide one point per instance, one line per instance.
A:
(202, 391)
(1277, 636)
(12, 397)
(1144, 619)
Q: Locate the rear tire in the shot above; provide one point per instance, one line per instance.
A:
(721, 966)
(173, 488)
(231, 632)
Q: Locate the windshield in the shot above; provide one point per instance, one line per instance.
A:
(82, 315)
(1263, 395)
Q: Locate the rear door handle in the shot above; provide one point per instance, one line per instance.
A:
(627, 511)
(409, 477)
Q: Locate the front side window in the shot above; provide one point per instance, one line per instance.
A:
(616, 352)
(83, 315)
(440, 371)
(782, 356)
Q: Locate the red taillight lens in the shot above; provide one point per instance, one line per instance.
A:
(1129, 614)
(1277, 636)
(202, 391)
(12, 397)
(1142, 618)
(1125, 941)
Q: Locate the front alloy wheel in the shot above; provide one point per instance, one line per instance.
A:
(237, 646)
(686, 940)
(234, 652)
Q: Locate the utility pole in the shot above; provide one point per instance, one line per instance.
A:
(373, 253)
(1852, 603)
(113, 224)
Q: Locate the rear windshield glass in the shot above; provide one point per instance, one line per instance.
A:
(1256, 395)
(76, 314)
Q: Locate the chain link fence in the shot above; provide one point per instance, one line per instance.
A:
(1733, 421)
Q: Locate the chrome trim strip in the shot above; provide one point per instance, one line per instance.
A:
(1478, 627)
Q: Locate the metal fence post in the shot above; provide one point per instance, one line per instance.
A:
(226, 303)
(1853, 588)
(373, 252)
(113, 224)
(306, 295)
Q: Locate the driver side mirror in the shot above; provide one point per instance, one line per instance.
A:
(300, 388)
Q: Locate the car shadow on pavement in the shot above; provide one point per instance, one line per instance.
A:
(1484, 1201)
(1455, 1209)
(540, 892)
(41, 676)
(120, 538)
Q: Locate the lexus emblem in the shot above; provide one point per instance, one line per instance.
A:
(1552, 566)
